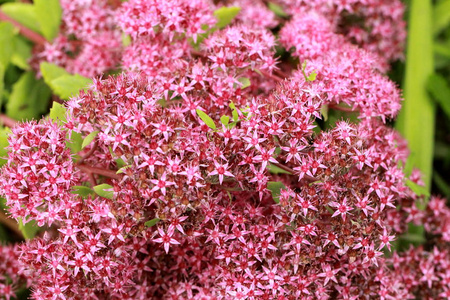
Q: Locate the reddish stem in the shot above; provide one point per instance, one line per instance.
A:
(7, 121)
(337, 107)
(26, 32)
(94, 170)
(91, 151)
(287, 169)
(272, 76)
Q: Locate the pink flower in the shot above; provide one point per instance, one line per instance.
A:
(166, 238)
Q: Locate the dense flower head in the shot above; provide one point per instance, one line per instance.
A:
(174, 17)
(94, 45)
(212, 174)
(39, 172)
(254, 13)
(349, 74)
(374, 25)
(11, 276)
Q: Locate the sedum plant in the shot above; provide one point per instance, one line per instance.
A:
(241, 152)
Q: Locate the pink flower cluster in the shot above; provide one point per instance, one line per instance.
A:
(89, 42)
(218, 182)
(375, 25)
(348, 73)
(38, 174)
(11, 277)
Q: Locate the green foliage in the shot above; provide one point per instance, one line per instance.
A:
(441, 16)
(206, 119)
(23, 13)
(69, 85)
(152, 222)
(48, 14)
(61, 82)
(51, 71)
(81, 190)
(4, 131)
(277, 10)
(417, 117)
(234, 111)
(245, 82)
(275, 188)
(22, 53)
(2, 83)
(308, 77)
(29, 230)
(276, 170)
(90, 137)
(225, 15)
(58, 113)
(7, 47)
(417, 189)
(101, 191)
(75, 142)
(224, 120)
(440, 90)
(29, 98)
(442, 185)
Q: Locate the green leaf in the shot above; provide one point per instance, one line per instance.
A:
(275, 188)
(81, 190)
(4, 131)
(206, 119)
(87, 140)
(152, 222)
(245, 82)
(29, 98)
(417, 116)
(224, 120)
(442, 185)
(234, 112)
(6, 42)
(276, 170)
(225, 15)
(440, 90)
(75, 142)
(24, 13)
(101, 191)
(122, 170)
(22, 53)
(58, 113)
(69, 85)
(126, 39)
(324, 111)
(48, 14)
(29, 229)
(277, 9)
(2, 82)
(312, 76)
(417, 189)
(51, 71)
(442, 49)
(441, 16)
